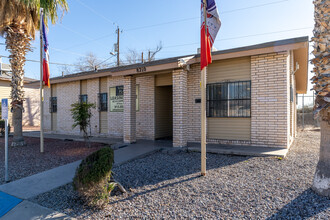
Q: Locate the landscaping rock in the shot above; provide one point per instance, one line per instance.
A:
(169, 186)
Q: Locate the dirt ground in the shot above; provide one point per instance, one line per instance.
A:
(27, 160)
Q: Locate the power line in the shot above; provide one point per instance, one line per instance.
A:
(239, 37)
(53, 63)
(67, 51)
(62, 64)
(232, 38)
(95, 12)
(188, 19)
(255, 6)
(179, 45)
(76, 32)
(82, 44)
(169, 22)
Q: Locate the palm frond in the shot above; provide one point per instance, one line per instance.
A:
(24, 15)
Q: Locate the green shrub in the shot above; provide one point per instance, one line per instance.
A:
(81, 114)
(92, 178)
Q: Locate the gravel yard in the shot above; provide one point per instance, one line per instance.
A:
(169, 186)
(27, 160)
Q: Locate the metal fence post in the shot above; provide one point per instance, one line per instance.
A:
(303, 111)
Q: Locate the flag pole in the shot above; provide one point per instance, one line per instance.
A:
(41, 88)
(203, 107)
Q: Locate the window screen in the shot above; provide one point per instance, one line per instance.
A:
(103, 102)
(53, 104)
(229, 99)
(83, 98)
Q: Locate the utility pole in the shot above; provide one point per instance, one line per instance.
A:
(149, 56)
(142, 57)
(118, 33)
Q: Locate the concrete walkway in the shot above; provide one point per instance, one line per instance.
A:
(240, 150)
(34, 185)
(39, 183)
(27, 210)
(97, 139)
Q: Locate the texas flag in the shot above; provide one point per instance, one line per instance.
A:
(213, 24)
(45, 55)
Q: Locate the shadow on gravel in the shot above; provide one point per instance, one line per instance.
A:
(306, 205)
(160, 167)
(155, 189)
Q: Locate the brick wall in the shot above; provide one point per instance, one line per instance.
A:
(47, 114)
(31, 114)
(145, 121)
(129, 109)
(193, 109)
(270, 104)
(180, 108)
(67, 94)
(145, 117)
(115, 119)
(270, 100)
(92, 91)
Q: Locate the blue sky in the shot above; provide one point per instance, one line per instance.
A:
(90, 26)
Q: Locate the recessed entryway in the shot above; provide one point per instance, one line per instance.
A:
(164, 112)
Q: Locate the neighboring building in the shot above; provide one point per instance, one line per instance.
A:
(251, 97)
(31, 115)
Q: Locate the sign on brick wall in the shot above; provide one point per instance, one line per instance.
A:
(116, 98)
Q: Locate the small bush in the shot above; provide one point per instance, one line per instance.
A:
(81, 114)
(92, 178)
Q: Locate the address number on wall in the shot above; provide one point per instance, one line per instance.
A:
(141, 69)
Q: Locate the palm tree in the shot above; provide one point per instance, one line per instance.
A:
(321, 51)
(19, 20)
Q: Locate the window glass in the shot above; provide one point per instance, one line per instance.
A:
(83, 98)
(103, 102)
(53, 104)
(229, 99)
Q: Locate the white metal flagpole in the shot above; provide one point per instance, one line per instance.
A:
(203, 108)
(41, 88)
(4, 115)
(6, 150)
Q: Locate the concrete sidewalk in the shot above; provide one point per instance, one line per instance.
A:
(96, 139)
(27, 210)
(34, 185)
(240, 150)
(39, 183)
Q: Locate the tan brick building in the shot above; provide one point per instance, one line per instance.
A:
(251, 97)
(31, 113)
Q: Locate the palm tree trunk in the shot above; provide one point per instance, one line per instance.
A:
(18, 139)
(18, 43)
(321, 183)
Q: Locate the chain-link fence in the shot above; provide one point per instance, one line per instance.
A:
(305, 117)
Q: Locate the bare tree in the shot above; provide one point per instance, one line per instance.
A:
(90, 62)
(65, 69)
(134, 57)
(152, 53)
